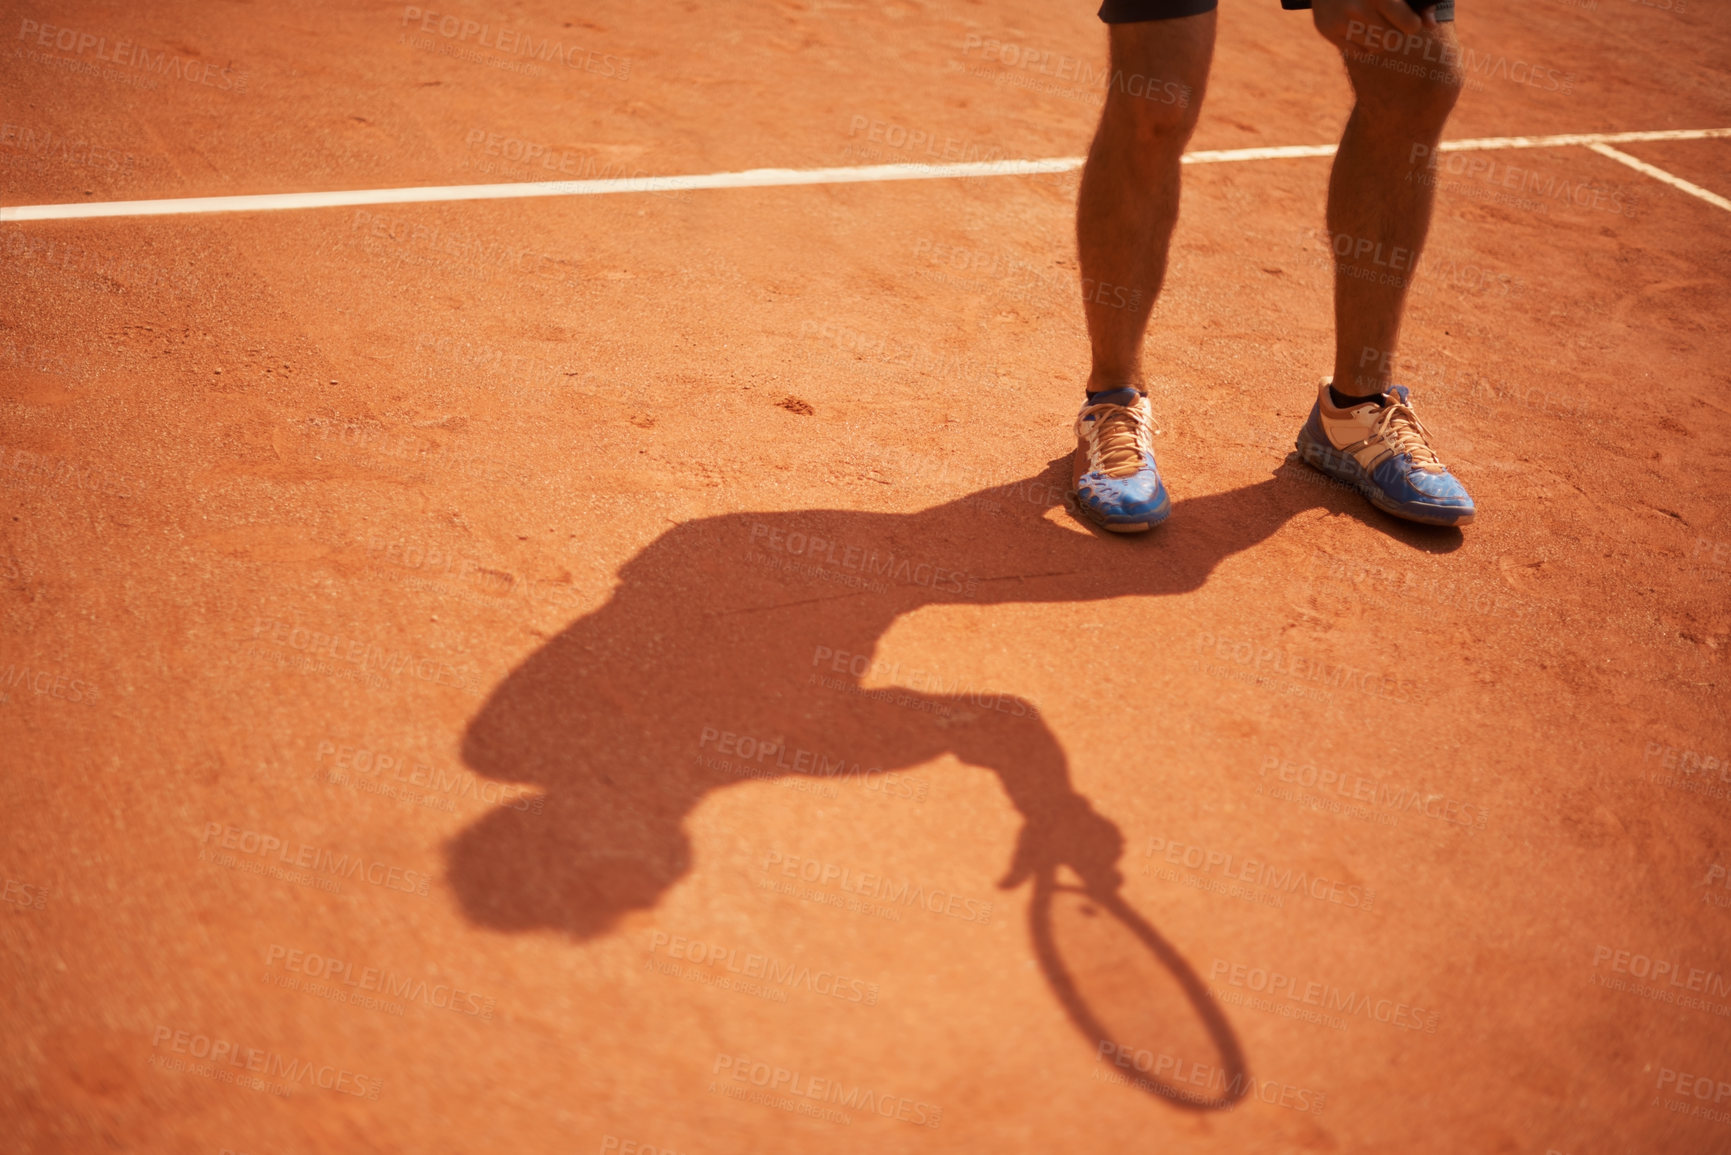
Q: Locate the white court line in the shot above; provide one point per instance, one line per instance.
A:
(1658, 173)
(752, 178)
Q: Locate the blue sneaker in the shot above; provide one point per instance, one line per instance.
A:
(1381, 450)
(1117, 485)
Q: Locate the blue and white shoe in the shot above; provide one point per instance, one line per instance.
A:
(1116, 483)
(1381, 450)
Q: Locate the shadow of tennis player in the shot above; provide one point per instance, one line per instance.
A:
(764, 625)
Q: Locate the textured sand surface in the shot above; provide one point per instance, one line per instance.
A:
(554, 675)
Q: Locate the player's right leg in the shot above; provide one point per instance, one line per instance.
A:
(1160, 54)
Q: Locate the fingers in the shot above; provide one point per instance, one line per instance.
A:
(1075, 835)
(1362, 25)
(1021, 866)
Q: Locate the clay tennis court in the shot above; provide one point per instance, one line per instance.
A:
(594, 671)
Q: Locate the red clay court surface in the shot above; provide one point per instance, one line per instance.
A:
(458, 695)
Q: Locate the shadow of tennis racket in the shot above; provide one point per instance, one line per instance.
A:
(1156, 1022)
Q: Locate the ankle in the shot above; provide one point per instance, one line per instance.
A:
(1341, 399)
(1356, 388)
(1120, 395)
(1107, 382)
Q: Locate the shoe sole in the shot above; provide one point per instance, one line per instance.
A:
(1350, 473)
(1143, 526)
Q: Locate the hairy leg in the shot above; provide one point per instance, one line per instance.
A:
(1129, 196)
(1380, 192)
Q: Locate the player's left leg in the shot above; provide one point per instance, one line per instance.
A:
(1406, 76)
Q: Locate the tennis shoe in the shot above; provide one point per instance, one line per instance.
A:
(1381, 449)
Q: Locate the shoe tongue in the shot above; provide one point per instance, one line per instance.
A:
(1128, 395)
(1399, 393)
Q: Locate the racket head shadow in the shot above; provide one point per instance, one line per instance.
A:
(1123, 984)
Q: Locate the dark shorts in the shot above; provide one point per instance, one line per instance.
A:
(1136, 11)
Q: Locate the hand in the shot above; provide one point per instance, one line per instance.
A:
(1070, 834)
(1368, 25)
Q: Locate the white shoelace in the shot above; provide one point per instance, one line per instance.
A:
(1401, 429)
(1120, 438)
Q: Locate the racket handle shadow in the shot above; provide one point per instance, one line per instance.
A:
(1236, 1076)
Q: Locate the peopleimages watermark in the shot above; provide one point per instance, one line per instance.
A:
(1462, 391)
(1385, 46)
(1175, 1078)
(137, 57)
(306, 857)
(1299, 670)
(1358, 796)
(230, 1062)
(1717, 875)
(1312, 999)
(400, 240)
(97, 266)
(24, 894)
(1686, 771)
(1524, 188)
(982, 483)
(43, 145)
(1279, 881)
(798, 1089)
(34, 469)
(499, 152)
(433, 568)
(381, 981)
(1691, 1093)
(526, 377)
(918, 680)
(1718, 554)
(512, 42)
(1689, 762)
(40, 359)
(765, 969)
(747, 756)
(1404, 588)
(1020, 278)
(864, 561)
(501, 146)
(363, 657)
(921, 140)
(366, 443)
(893, 352)
(1441, 269)
(610, 1143)
(45, 684)
(395, 775)
(1035, 69)
(1681, 986)
(878, 888)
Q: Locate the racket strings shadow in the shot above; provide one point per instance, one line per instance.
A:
(1226, 1069)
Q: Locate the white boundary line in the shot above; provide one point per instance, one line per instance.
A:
(1658, 173)
(774, 177)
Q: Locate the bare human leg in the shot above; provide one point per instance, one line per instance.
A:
(1363, 431)
(1125, 213)
(1129, 196)
(1406, 78)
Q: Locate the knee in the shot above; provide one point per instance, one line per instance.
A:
(1446, 81)
(1417, 103)
(1157, 115)
(1409, 81)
